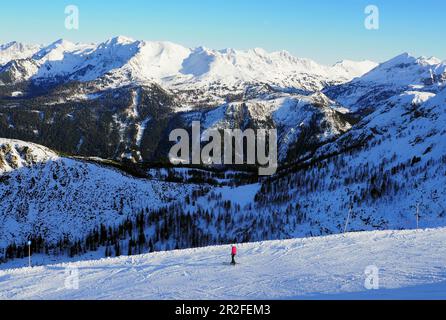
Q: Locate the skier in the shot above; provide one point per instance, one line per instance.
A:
(233, 254)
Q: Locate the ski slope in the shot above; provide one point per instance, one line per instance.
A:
(412, 265)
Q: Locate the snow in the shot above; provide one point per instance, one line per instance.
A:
(412, 97)
(295, 113)
(292, 114)
(54, 51)
(242, 196)
(232, 67)
(125, 60)
(14, 50)
(353, 69)
(80, 143)
(133, 109)
(141, 129)
(42, 192)
(16, 94)
(402, 73)
(411, 265)
(13, 154)
(404, 70)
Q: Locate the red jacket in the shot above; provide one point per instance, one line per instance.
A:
(234, 251)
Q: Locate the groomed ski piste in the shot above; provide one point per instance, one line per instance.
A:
(411, 265)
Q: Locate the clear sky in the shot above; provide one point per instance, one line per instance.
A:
(324, 30)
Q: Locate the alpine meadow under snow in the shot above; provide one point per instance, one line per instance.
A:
(84, 170)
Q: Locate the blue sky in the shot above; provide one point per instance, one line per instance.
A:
(324, 30)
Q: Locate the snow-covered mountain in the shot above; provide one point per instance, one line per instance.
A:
(15, 51)
(400, 74)
(136, 87)
(303, 121)
(15, 154)
(126, 61)
(43, 194)
(386, 165)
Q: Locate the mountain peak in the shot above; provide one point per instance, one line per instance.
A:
(202, 49)
(56, 49)
(120, 40)
(403, 58)
(429, 60)
(61, 43)
(8, 45)
(15, 50)
(259, 51)
(406, 60)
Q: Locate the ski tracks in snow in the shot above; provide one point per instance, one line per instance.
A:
(412, 264)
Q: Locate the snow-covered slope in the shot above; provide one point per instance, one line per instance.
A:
(353, 69)
(279, 68)
(402, 73)
(15, 50)
(16, 154)
(407, 70)
(51, 196)
(411, 265)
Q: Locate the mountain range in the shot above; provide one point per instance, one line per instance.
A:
(166, 63)
(358, 139)
(133, 87)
